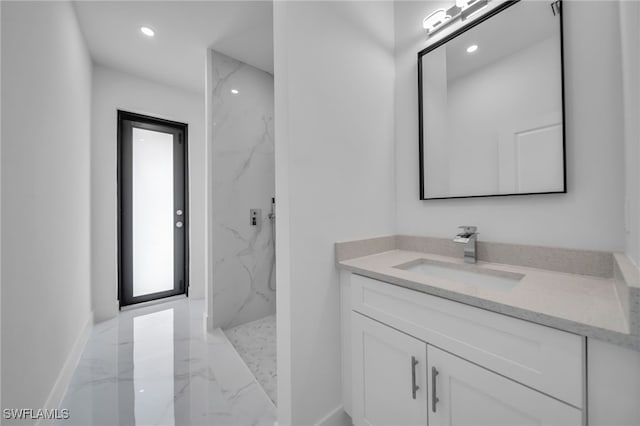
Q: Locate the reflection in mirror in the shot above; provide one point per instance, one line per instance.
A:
(491, 106)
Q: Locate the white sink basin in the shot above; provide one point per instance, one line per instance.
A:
(464, 274)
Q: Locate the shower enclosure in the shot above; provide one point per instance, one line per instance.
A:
(242, 296)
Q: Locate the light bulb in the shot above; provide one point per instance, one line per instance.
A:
(147, 31)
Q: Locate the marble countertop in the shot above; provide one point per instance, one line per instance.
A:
(589, 305)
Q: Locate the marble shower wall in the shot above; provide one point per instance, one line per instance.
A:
(243, 178)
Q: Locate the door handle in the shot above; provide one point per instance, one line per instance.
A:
(414, 386)
(434, 398)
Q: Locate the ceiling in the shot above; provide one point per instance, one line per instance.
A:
(183, 31)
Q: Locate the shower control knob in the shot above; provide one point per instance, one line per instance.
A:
(179, 224)
(255, 217)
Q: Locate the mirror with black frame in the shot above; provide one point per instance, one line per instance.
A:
(492, 107)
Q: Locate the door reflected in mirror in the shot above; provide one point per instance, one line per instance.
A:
(491, 106)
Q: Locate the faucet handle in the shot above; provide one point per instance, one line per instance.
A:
(468, 229)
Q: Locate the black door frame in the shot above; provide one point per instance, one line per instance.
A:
(124, 241)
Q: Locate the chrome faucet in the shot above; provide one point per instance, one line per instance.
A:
(468, 237)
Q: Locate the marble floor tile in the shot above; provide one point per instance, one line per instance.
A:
(157, 366)
(256, 344)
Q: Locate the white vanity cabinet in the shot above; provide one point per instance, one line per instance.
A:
(400, 380)
(491, 369)
(389, 376)
(463, 393)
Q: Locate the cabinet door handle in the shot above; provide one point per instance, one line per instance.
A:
(434, 398)
(414, 386)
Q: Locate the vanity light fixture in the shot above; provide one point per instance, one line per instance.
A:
(435, 20)
(462, 9)
(147, 31)
(473, 8)
(234, 91)
(472, 48)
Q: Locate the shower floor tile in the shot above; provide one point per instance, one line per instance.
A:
(256, 344)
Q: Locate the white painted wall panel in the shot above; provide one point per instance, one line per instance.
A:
(46, 105)
(334, 73)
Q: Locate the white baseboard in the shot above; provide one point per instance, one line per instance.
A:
(205, 322)
(64, 377)
(208, 321)
(335, 417)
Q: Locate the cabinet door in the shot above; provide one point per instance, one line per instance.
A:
(389, 375)
(462, 393)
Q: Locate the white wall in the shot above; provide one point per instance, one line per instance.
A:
(590, 215)
(46, 104)
(113, 90)
(243, 179)
(1, 211)
(613, 384)
(630, 41)
(334, 73)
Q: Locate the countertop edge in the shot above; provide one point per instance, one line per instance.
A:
(621, 339)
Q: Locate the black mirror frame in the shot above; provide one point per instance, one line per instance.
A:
(557, 7)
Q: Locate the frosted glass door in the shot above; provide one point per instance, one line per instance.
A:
(153, 218)
(152, 211)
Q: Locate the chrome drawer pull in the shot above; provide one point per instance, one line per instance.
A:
(434, 398)
(414, 386)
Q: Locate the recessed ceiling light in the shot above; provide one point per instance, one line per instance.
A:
(472, 48)
(234, 91)
(147, 31)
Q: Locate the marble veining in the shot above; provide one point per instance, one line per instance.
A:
(243, 178)
(158, 366)
(256, 344)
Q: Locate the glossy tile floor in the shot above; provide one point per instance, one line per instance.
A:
(157, 366)
(256, 344)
